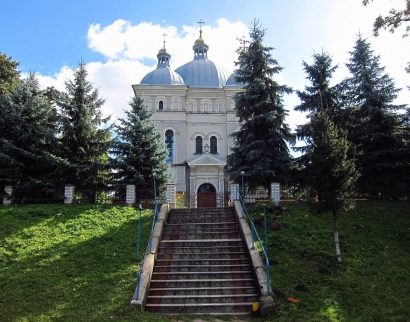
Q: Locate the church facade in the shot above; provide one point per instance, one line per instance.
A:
(195, 113)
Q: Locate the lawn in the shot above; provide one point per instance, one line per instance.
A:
(78, 263)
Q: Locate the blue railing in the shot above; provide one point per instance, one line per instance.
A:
(245, 214)
(148, 250)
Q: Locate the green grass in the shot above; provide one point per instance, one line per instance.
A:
(372, 283)
(77, 263)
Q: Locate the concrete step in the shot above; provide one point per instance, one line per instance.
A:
(204, 308)
(200, 227)
(202, 299)
(201, 275)
(203, 291)
(202, 268)
(195, 284)
(199, 243)
(200, 235)
(179, 253)
(202, 261)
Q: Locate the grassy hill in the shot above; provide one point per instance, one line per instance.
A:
(78, 263)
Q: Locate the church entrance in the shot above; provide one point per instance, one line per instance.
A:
(206, 196)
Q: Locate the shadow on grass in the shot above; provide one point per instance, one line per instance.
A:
(90, 280)
(14, 219)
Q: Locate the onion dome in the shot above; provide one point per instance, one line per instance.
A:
(202, 72)
(163, 75)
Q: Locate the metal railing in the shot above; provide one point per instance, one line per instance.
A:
(264, 246)
(148, 250)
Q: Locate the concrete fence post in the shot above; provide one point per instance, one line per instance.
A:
(171, 195)
(68, 194)
(8, 190)
(130, 195)
(234, 191)
(275, 192)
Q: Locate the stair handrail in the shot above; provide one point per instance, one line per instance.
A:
(148, 250)
(245, 214)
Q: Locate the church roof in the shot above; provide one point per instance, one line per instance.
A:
(163, 74)
(231, 81)
(203, 73)
(200, 72)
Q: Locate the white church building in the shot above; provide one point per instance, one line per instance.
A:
(194, 110)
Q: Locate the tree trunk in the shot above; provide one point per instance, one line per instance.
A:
(336, 234)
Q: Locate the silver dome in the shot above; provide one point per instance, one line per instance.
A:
(231, 81)
(162, 76)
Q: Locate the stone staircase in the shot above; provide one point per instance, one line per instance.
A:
(202, 265)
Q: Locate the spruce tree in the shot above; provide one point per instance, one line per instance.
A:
(332, 173)
(9, 74)
(28, 126)
(138, 150)
(260, 145)
(377, 131)
(85, 135)
(318, 96)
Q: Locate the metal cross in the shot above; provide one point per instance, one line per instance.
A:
(164, 38)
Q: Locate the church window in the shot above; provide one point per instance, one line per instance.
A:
(169, 142)
(198, 145)
(161, 105)
(214, 145)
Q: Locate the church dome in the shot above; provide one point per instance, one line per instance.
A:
(202, 72)
(231, 81)
(163, 74)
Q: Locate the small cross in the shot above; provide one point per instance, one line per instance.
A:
(164, 38)
(200, 27)
(200, 24)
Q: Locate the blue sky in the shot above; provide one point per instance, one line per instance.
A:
(119, 39)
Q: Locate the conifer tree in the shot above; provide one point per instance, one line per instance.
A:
(137, 149)
(332, 173)
(260, 145)
(378, 133)
(28, 145)
(9, 74)
(85, 134)
(319, 95)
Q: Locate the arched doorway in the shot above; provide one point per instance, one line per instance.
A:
(206, 196)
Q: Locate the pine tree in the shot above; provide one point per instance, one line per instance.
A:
(260, 145)
(9, 74)
(138, 150)
(332, 173)
(28, 124)
(85, 135)
(378, 133)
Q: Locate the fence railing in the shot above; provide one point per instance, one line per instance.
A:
(264, 246)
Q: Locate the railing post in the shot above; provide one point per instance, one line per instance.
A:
(68, 194)
(139, 230)
(264, 226)
(243, 195)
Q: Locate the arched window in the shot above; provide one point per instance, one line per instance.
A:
(198, 145)
(169, 142)
(214, 145)
(161, 105)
